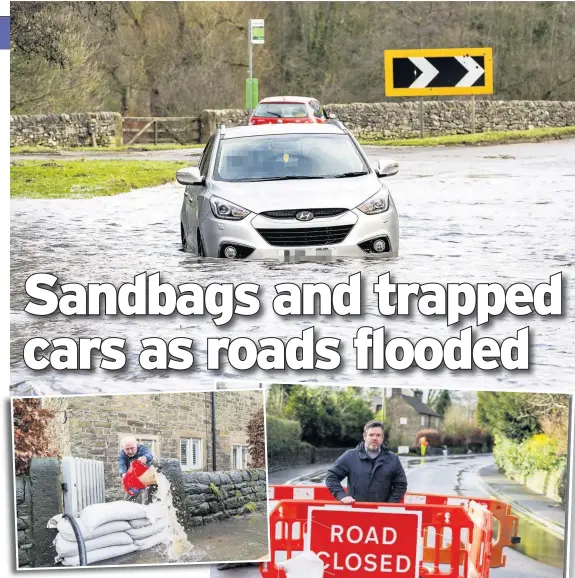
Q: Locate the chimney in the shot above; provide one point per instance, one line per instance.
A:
(418, 393)
(395, 392)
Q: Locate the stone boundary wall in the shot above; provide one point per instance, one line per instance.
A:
(391, 120)
(305, 457)
(550, 484)
(70, 130)
(24, 521)
(38, 498)
(213, 496)
(380, 120)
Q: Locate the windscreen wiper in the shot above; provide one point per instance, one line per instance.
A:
(284, 178)
(350, 174)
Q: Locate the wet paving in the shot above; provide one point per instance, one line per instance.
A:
(233, 539)
(480, 214)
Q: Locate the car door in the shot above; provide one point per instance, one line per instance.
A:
(192, 194)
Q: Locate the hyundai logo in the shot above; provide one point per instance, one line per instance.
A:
(304, 216)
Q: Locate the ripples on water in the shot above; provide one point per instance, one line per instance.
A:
(493, 214)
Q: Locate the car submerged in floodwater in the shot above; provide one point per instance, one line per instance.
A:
(285, 192)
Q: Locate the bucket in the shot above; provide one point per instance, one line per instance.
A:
(149, 477)
(138, 477)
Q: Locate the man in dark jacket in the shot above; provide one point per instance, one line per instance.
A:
(373, 473)
(132, 450)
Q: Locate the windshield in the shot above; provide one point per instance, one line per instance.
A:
(281, 110)
(288, 156)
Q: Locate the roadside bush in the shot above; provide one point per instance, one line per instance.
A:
(284, 439)
(432, 436)
(539, 452)
(31, 439)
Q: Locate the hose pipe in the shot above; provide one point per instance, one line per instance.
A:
(79, 540)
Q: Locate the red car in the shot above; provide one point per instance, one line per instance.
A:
(288, 109)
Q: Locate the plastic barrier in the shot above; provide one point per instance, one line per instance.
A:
(465, 535)
(507, 522)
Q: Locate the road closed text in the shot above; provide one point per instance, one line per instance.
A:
(373, 562)
(366, 542)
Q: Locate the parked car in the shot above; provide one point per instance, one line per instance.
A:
(288, 109)
(287, 191)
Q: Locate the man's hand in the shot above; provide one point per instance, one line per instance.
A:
(347, 500)
(142, 460)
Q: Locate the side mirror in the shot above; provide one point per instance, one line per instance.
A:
(386, 168)
(332, 115)
(189, 176)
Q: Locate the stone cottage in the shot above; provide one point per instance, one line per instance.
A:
(171, 425)
(407, 415)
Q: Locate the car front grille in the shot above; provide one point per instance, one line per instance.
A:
(290, 214)
(306, 237)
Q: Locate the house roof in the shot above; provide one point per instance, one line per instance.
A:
(419, 406)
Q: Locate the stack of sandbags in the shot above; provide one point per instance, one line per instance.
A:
(109, 529)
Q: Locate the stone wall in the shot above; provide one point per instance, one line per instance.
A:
(38, 498)
(380, 120)
(306, 456)
(388, 120)
(57, 428)
(24, 521)
(95, 426)
(550, 484)
(213, 496)
(78, 129)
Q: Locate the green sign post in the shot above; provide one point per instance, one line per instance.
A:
(255, 36)
(251, 93)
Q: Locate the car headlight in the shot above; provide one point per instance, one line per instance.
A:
(378, 203)
(223, 209)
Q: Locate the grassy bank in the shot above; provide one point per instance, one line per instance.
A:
(483, 138)
(124, 148)
(83, 179)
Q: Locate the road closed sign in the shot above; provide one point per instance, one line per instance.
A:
(365, 542)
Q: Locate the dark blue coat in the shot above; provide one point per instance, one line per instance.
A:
(124, 460)
(368, 480)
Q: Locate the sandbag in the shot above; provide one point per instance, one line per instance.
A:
(98, 514)
(99, 555)
(141, 533)
(64, 526)
(151, 541)
(70, 548)
(140, 523)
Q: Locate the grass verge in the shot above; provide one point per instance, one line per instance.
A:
(83, 179)
(125, 148)
(502, 137)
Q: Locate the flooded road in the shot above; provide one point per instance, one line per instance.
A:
(233, 539)
(540, 552)
(484, 214)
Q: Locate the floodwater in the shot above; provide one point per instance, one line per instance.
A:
(243, 538)
(499, 214)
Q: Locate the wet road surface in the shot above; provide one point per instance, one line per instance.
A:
(481, 214)
(244, 538)
(540, 554)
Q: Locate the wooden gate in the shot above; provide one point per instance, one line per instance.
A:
(161, 130)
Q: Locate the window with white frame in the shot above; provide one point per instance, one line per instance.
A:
(149, 443)
(240, 456)
(191, 454)
(422, 420)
